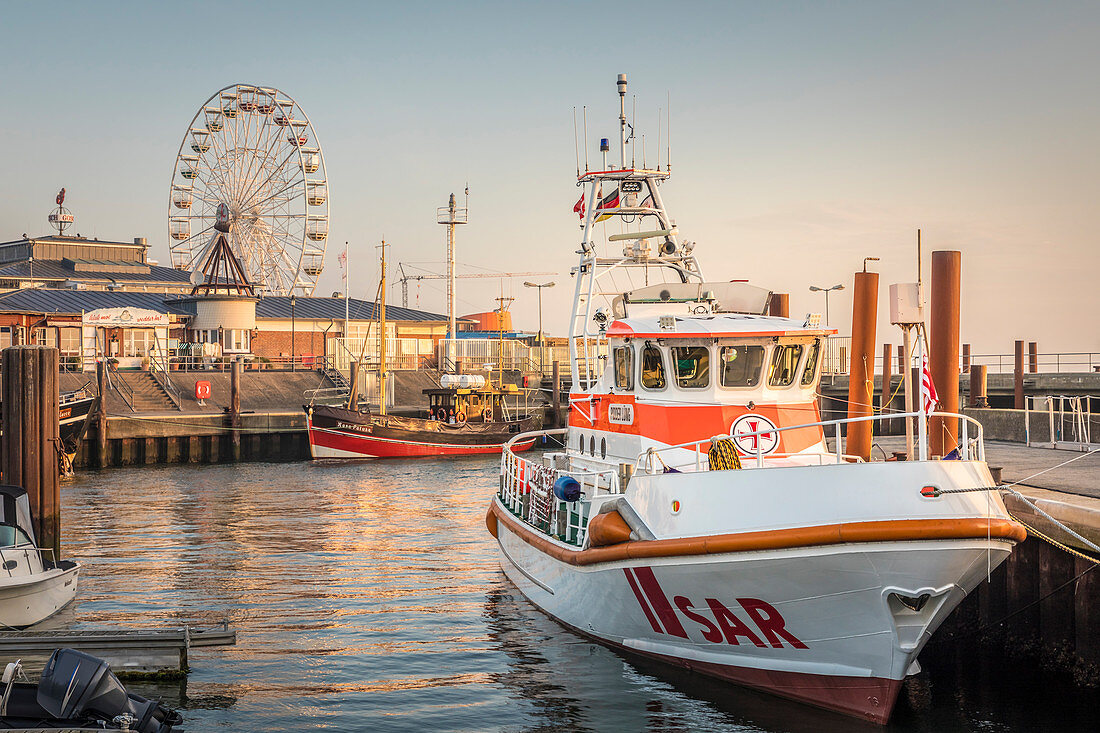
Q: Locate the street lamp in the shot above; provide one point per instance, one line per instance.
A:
(540, 287)
(815, 289)
(293, 367)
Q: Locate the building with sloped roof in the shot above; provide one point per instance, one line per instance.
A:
(134, 326)
(76, 263)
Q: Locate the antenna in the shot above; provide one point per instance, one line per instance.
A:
(659, 138)
(920, 287)
(643, 150)
(668, 131)
(633, 119)
(621, 84)
(584, 113)
(576, 147)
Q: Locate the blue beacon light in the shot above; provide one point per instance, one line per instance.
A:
(605, 145)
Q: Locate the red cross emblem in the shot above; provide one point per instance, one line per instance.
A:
(748, 433)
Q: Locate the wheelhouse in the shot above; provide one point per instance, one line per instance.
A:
(468, 405)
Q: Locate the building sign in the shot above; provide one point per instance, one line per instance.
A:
(125, 317)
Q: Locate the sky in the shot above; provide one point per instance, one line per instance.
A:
(804, 137)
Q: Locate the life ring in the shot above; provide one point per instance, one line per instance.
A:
(460, 417)
(487, 414)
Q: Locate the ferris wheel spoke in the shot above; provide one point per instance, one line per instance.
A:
(280, 167)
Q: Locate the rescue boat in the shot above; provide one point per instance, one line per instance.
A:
(702, 513)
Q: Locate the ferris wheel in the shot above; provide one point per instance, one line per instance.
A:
(254, 149)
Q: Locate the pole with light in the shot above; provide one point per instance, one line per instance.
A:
(293, 367)
(816, 289)
(540, 287)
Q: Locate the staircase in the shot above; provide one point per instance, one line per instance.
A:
(336, 378)
(148, 395)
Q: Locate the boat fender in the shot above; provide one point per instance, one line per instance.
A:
(639, 530)
(608, 529)
(491, 521)
(566, 488)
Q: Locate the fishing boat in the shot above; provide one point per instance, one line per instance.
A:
(75, 409)
(465, 415)
(698, 514)
(33, 586)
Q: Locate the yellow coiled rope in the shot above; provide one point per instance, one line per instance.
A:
(723, 455)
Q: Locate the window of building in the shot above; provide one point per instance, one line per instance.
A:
(70, 340)
(236, 339)
(784, 365)
(45, 336)
(741, 365)
(136, 341)
(624, 368)
(653, 368)
(692, 365)
(809, 372)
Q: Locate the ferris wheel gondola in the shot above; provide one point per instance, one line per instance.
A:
(254, 149)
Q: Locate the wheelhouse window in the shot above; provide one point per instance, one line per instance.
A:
(809, 372)
(653, 368)
(692, 365)
(624, 368)
(741, 365)
(784, 365)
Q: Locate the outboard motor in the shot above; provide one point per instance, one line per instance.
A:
(76, 685)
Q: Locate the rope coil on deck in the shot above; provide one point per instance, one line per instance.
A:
(723, 455)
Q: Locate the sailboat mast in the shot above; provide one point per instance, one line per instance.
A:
(382, 335)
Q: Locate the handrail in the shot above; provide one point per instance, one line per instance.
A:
(759, 455)
(125, 391)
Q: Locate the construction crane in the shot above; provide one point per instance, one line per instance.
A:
(405, 277)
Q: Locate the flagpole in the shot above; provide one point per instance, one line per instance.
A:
(347, 292)
(922, 424)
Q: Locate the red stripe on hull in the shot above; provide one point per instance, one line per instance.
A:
(368, 446)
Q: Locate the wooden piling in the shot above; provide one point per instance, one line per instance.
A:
(943, 347)
(1056, 610)
(1033, 357)
(1018, 376)
(101, 414)
(861, 374)
(235, 410)
(31, 442)
(353, 387)
(966, 358)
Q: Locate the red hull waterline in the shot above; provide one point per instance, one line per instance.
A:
(334, 444)
(870, 698)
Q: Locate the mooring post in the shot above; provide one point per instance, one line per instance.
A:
(31, 439)
(1033, 357)
(861, 374)
(101, 414)
(978, 386)
(555, 393)
(353, 387)
(943, 358)
(1018, 376)
(235, 410)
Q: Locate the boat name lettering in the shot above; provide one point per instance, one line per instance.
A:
(621, 413)
(353, 426)
(664, 615)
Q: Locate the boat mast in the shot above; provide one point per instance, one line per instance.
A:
(382, 335)
(621, 84)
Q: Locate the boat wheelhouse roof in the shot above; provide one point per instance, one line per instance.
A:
(722, 325)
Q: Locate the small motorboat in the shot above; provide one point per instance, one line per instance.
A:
(78, 692)
(33, 584)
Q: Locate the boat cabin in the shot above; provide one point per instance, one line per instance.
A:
(471, 404)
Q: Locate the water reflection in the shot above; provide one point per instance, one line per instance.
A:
(367, 596)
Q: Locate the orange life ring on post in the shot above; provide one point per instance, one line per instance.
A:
(461, 416)
(487, 414)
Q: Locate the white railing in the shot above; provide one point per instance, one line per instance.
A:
(401, 353)
(527, 490)
(968, 450)
(1069, 420)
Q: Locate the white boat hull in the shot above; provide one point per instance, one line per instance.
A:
(812, 624)
(30, 599)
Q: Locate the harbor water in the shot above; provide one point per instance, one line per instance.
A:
(367, 596)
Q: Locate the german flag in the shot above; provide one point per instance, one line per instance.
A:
(610, 201)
